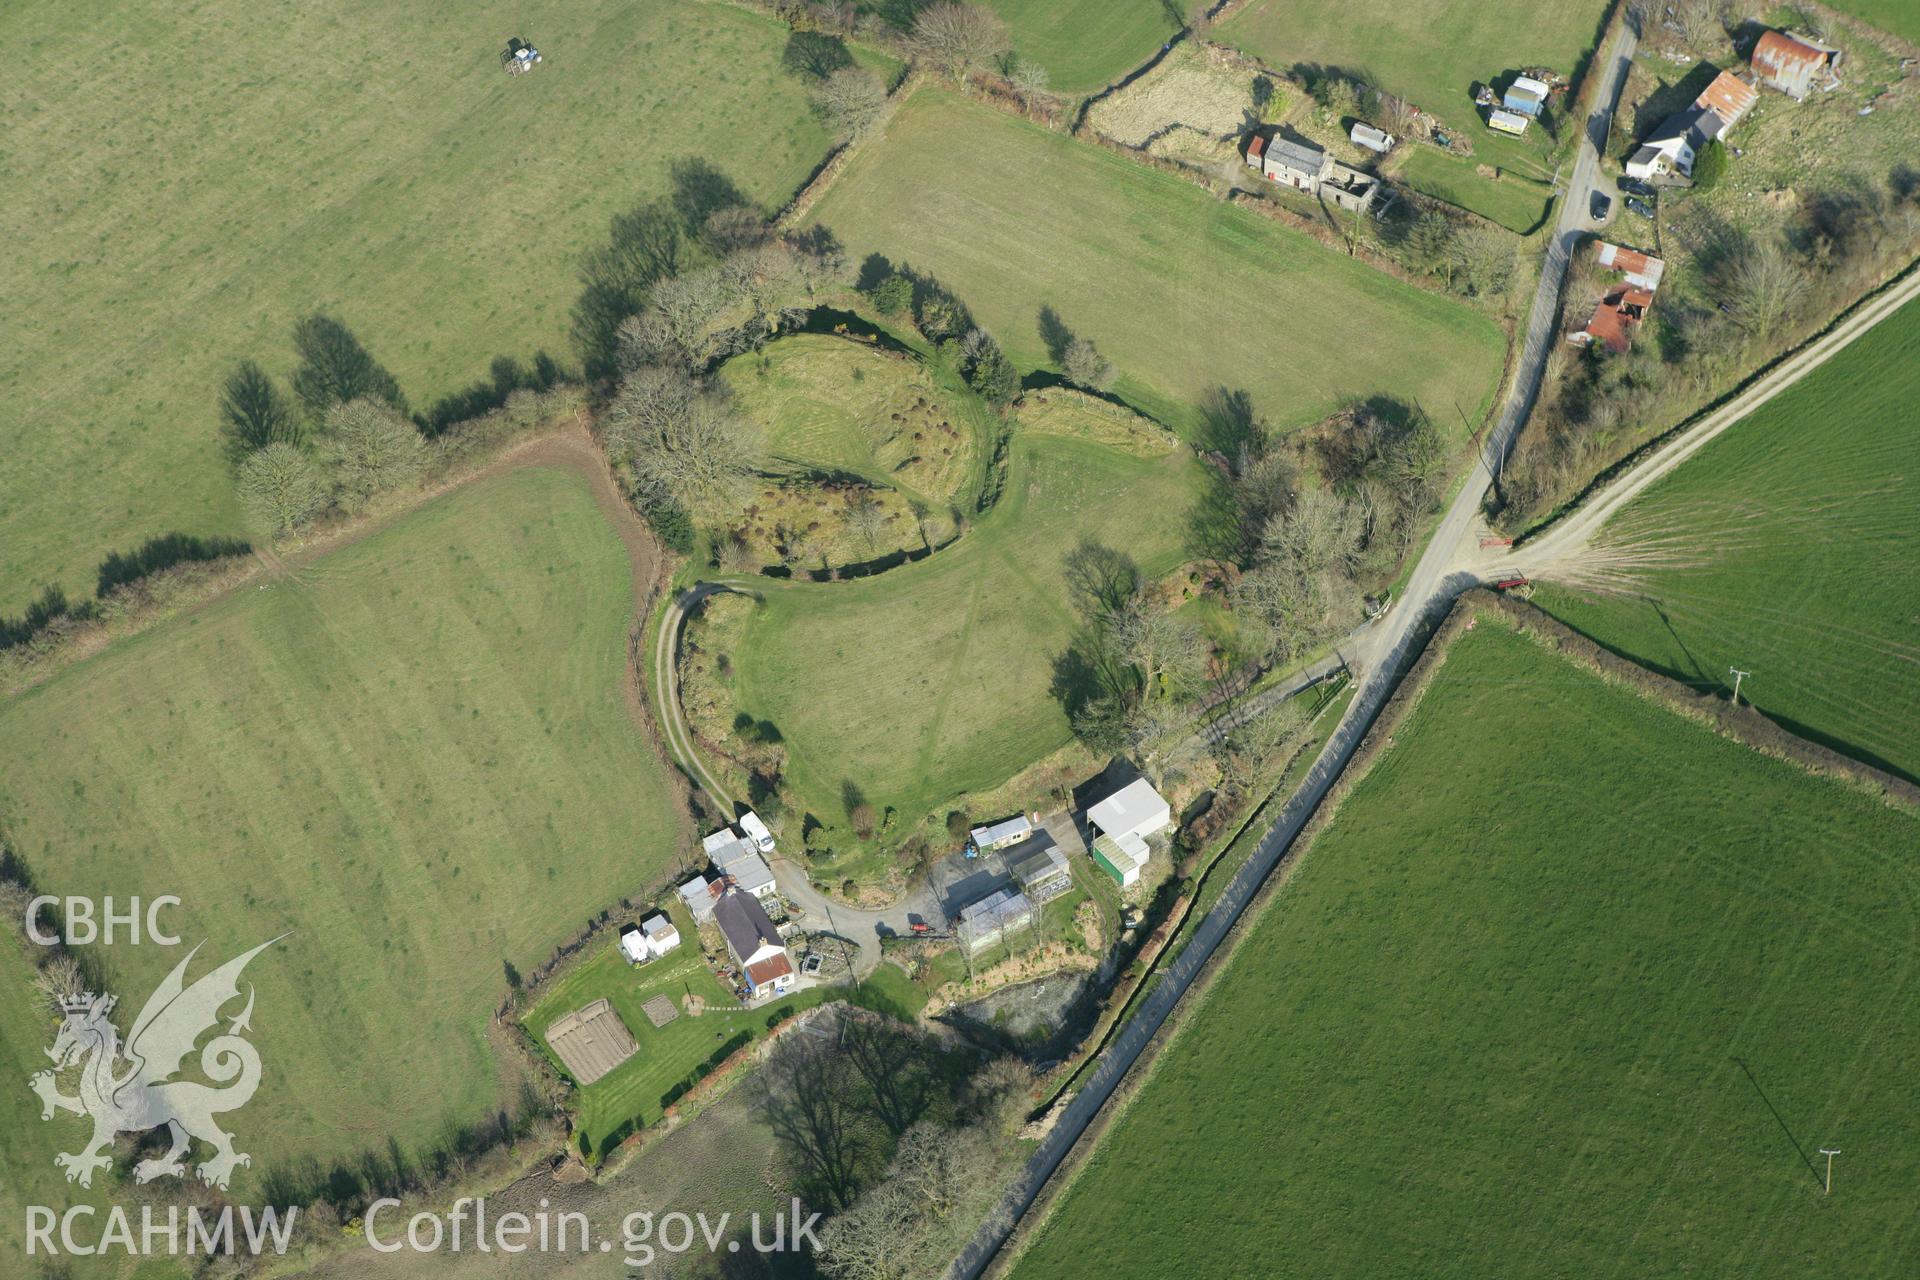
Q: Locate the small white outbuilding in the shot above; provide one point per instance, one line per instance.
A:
(1365, 135)
(650, 939)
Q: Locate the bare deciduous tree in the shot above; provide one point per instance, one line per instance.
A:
(736, 227)
(280, 487)
(650, 401)
(1694, 21)
(767, 281)
(956, 38)
(682, 440)
(866, 516)
(907, 1225)
(1084, 366)
(1263, 486)
(685, 322)
(1416, 463)
(851, 100)
(1249, 748)
(1168, 653)
(1320, 532)
(59, 978)
(1028, 78)
(1481, 260)
(1760, 284)
(366, 446)
(1288, 608)
(820, 261)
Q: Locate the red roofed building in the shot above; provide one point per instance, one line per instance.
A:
(1625, 305)
(1641, 270)
(1795, 64)
(774, 974)
(1728, 97)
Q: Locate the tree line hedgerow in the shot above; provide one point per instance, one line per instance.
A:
(121, 569)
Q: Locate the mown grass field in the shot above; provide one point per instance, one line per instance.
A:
(1428, 51)
(1513, 203)
(1786, 548)
(1590, 1008)
(413, 753)
(184, 182)
(631, 1096)
(932, 679)
(1085, 44)
(1899, 17)
(1185, 294)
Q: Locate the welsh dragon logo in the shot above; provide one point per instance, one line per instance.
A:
(132, 1089)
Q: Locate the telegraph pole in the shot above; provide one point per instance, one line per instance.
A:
(1828, 1190)
(1738, 676)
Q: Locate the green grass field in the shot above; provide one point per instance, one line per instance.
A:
(1185, 294)
(413, 754)
(932, 679)
(1085, 44)
(210, 177)
(1513, 203)
(1900, 17)
(632, 1093)
(1785, 548)
(1590, 1008)
(1428, 51)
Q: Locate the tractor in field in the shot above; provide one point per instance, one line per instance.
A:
(519, 57)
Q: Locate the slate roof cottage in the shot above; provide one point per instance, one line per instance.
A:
(754, 944)
(1305, 167)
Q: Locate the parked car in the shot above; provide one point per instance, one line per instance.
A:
(1600, 206)
(1635, 187)
(1641, 207)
